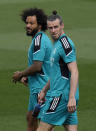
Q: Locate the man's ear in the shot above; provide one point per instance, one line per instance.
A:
(62, 25)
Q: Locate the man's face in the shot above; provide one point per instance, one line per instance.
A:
(32, 26)
(55, 28)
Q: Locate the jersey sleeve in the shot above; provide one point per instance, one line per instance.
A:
(39, 48)
(68, 50)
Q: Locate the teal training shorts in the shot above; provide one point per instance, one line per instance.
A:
(33, 101)
(55, 112)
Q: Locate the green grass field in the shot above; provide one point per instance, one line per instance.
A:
(80, 24)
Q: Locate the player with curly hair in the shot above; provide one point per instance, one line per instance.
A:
(39, 52)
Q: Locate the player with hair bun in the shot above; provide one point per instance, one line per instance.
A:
(61, 108)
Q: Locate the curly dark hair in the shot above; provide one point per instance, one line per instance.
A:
(40, 15)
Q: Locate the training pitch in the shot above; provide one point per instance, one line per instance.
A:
(80, 25)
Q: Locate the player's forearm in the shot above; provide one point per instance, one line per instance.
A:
(46, 87)
(73, 83)
(34, 68)
(29, 71)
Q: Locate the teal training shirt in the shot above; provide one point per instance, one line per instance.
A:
(62, 53)
(39, 50)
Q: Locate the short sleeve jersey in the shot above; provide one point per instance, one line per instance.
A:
(62, 53)
(39, 50)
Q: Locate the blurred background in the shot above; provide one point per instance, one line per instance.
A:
(80, 25)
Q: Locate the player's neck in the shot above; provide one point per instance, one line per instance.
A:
(39, 30)
(62, 33)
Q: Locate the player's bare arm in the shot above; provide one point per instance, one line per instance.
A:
(42, 94)
(35, 67)
(73, 86)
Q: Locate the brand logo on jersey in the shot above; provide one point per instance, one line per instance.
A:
(37, 40)
(54, 104)
(66, 45)
(37, 43)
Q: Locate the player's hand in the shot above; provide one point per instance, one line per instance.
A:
(17, 76)
(24, 80)
(71, 105)
(41, 97)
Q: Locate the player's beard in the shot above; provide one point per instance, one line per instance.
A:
(32, 33)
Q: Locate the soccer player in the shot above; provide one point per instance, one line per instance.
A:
(38, 59)
(61, 108)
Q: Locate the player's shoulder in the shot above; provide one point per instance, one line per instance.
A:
(66, 43)
(43, 40)
(37, 42)
(65, 40)
(41, 36)
(46, 40)
(45, 36)
(38, 37)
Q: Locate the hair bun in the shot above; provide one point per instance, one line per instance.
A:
(54, 12)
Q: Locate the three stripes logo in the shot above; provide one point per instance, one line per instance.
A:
(37, 43)
(37, 40)
(54, 104)
(66, 45)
